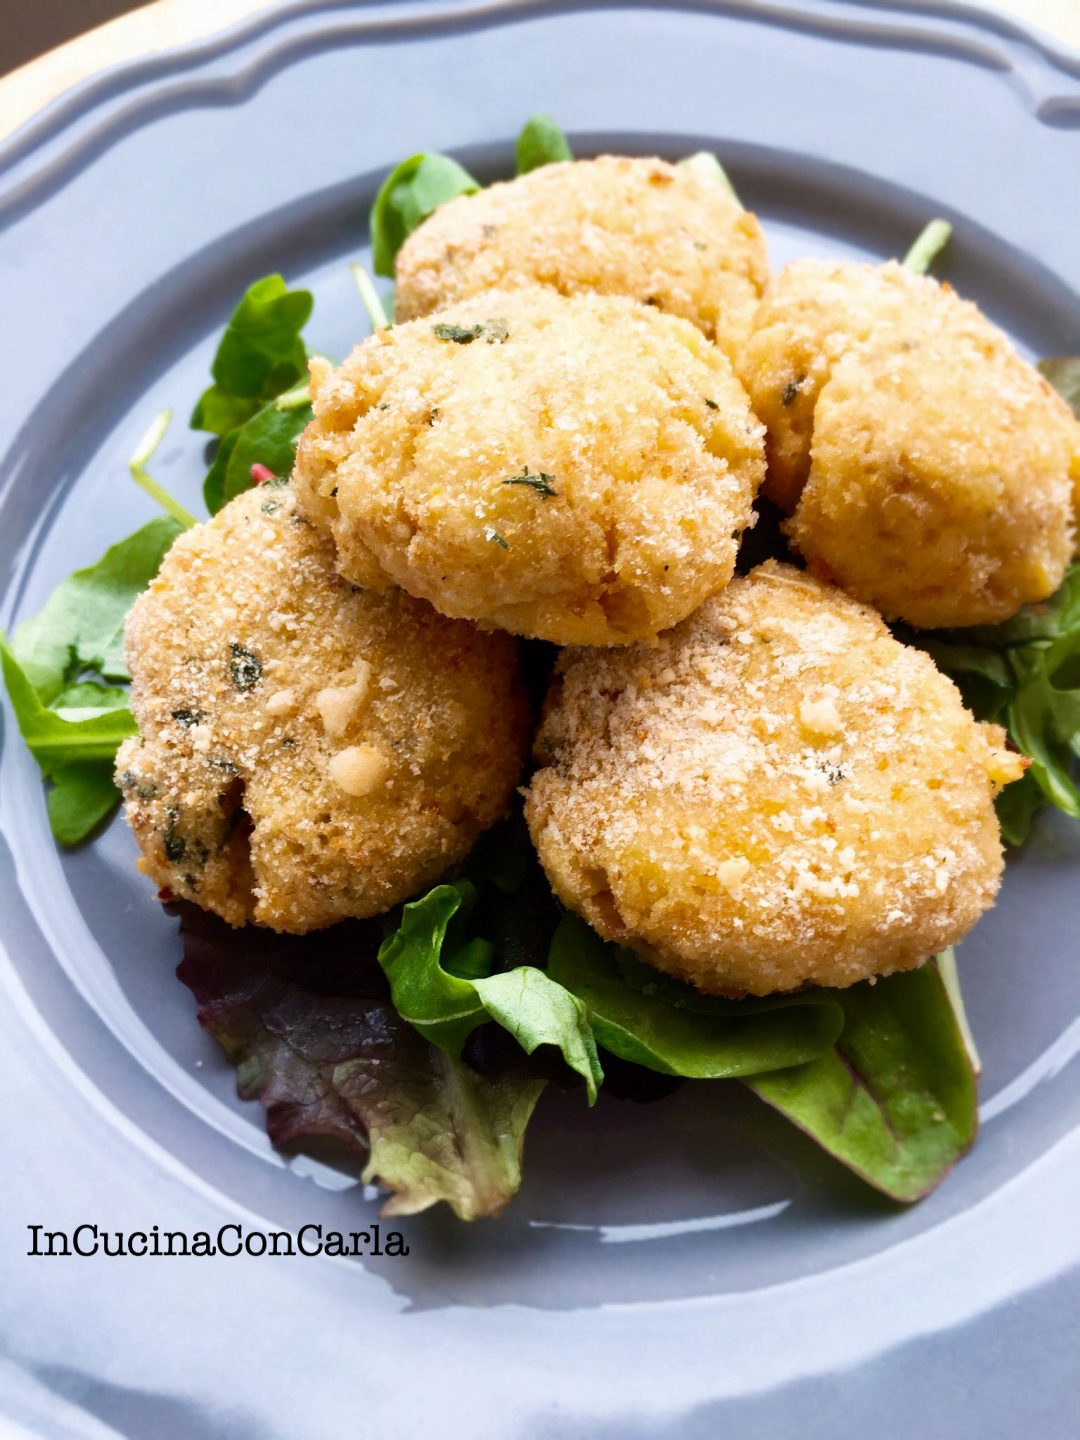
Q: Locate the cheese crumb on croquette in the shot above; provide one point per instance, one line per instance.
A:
(930, 470)
(340, 705)
(618, 225)
(777, 793)
(575, 470)
(360, 769)
(307, 751)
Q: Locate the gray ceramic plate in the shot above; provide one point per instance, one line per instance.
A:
(689, 1268)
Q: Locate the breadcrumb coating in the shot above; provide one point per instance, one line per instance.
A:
(577, 470)
(928, 469)
(307, 751)
(660, 233)
(776, 793)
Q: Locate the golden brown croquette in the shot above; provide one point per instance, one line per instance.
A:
(776, 793)
(577, 470)
(307, 751)
(667, 235)
(928, 469)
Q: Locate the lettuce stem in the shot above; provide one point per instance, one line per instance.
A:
(137, 465)
(372, 304)
(929, 244)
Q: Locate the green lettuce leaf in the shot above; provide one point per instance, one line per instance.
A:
(53, 740)
(541, 142)
(83, 793)
(409, 194)
(442, 984)
(81, 625)
(640, 1015)
(71, 723)
(1016, 807)
(895, 1098)
(308, 1024)
(260, 355)
(75, 750)
(89, 697)
(1025, 674)
(269, 438)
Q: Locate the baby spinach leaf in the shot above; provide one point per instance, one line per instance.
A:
(260, 355)
(269, 438)
(1025, 674)
(641, 1015)
(1044, 718)
(71, 723)
(307, 1022)
(83, 793)
(52, 740)
(89, 697)
(1063, 372)
(81, 625)
(442, 985)
(541, 142)
(409, 194)
(214, 484)
(1016, 807)
(895, 1098)
(74, 749)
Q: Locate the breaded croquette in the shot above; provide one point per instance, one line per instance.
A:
(667, 235)
(928, 468)
(576, 470)
(776, 793)
(307, 751)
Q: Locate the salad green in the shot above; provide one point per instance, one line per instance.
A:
(1025, 674)
(261, 354)
(643, 1016)
(411, 192)
(1063, 372)
(880, 1075)
(541, 142)
(309, 1026)
(57, 668)
(894, 1097)
(927, 246)
(443, 984)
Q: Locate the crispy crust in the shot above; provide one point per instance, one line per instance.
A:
(928, 469)
(307, 751)
(616, 225)
(777, 793)
(427, 460)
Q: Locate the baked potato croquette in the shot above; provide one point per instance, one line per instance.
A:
(928, 469)
(306, 751)
(576, 470)
(663, 234)
(776, 793)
